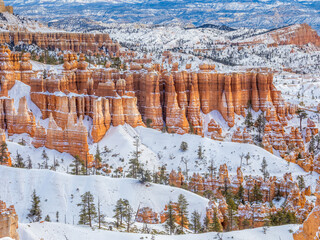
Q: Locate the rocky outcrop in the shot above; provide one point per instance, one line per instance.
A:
(297, 34)
(4, 8)
(73, 139)
(5, 154)
(8, 221)
(310, 227)
(77, 42)
(215, 130)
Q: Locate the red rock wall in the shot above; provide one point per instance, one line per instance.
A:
(77, 42)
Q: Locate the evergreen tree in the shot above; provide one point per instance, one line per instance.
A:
(134, 162)
(45, 158)
(57, 216)
(75, 165)
(183, 211)
(301, 182)
(257, 195)
(260, 124)
(128, 216)
(4, 157)
(200, 152)
(312, 146)
(248, 121)
(97, 158)
(163, 178)
(145, 175)
(47, 218)
(35, 211)
(101, 216)
(282, 217)
(195, 222)
(232, 207)
(29, 163)
(240, 194)
(264, 170)
(301, 115)
(19, 161)
(88, 213)
(247, 157)
(119, 211)
(216, 224)
(183, 146)
(170, 222)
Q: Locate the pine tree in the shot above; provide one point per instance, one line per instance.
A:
(301, 115)
(47, 218)
(170, 222)
(75, 165)
(260, 124)
(247, 157)
(97, 158)
(216, 224)
(163, 178)
(240, 194)
(200, 152)
(88, 213)
(183, 146)
(45, 158)
(19, 161)
(312, 146)
(128, 216)
(264, 170)
(206, 223)
(248, 121)
(145, 175)
(301, 182)
(4, 157)
(195, 222)
(101, 216)
(183, 211)
(134, 163)
(29, 163)
(257, 195)
(119, 211)
(35, 211)
(232, 207)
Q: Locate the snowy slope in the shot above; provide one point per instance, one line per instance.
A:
(61, 192)
(58, 231)
(164, 149)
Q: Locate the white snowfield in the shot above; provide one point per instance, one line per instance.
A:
(164, 149)
(59, 231)
(61, 192)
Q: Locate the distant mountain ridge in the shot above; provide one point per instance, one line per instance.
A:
(235, 13)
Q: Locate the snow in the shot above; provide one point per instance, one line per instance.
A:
(164, 149)
(61, 192)
(20, 90)
(60, 231)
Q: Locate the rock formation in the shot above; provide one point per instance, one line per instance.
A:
(77, 42)
(8, 222)
(297, 34)
(4, 8)
(310, 228)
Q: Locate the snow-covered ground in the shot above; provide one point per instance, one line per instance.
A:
(216, 46)
(59, 231)
(61, 192)
(164, 149)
